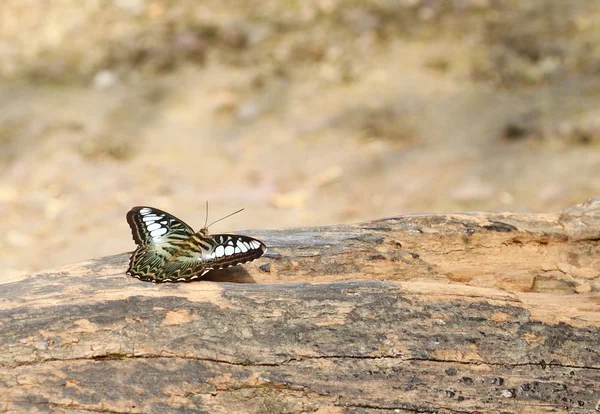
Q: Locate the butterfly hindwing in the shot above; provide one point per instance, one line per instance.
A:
(169, 250)
(231, 249)
(145, 260)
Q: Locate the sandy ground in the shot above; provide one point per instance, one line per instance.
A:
(331, 112)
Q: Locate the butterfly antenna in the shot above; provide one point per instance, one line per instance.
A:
(223, 218)
(206, 219)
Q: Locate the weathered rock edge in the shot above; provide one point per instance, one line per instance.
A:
(477, 312)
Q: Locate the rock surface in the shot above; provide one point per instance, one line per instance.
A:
(476, 312)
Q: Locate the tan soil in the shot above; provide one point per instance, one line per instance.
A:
(305, 113)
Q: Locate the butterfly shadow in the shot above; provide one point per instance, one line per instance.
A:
(235, 274)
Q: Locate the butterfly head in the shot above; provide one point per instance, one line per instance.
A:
(203, 232)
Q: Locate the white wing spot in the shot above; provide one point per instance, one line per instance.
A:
(150, 218)
(219, 251)
(255, 244)
(153, 226)
(229, 250)
(145, 210)
(165, 222)
(158, 232)
(237, 250)
(242, 246)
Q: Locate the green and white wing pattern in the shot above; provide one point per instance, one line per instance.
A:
(156, 233)
(153, 226)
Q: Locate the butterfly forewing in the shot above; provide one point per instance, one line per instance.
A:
(169, 250)
(153, 226)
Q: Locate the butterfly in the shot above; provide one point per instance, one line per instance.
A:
(170, 251)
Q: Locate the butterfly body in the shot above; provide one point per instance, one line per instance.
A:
(170, 251)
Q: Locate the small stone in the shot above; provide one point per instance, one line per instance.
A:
(509, 393)
(497, 381)
(525, 387)
(583, 288)
(41, 345)
(248, 111)
(104, 79)
(467, 380)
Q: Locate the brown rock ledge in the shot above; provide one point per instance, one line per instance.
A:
(461, 313)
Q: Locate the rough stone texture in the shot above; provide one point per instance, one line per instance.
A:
(456, 313)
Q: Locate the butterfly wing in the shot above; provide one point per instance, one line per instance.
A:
(230, 250)
(202, 253)
(153, 226)
(158, 236)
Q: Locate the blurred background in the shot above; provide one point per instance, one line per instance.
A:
(305, 113)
